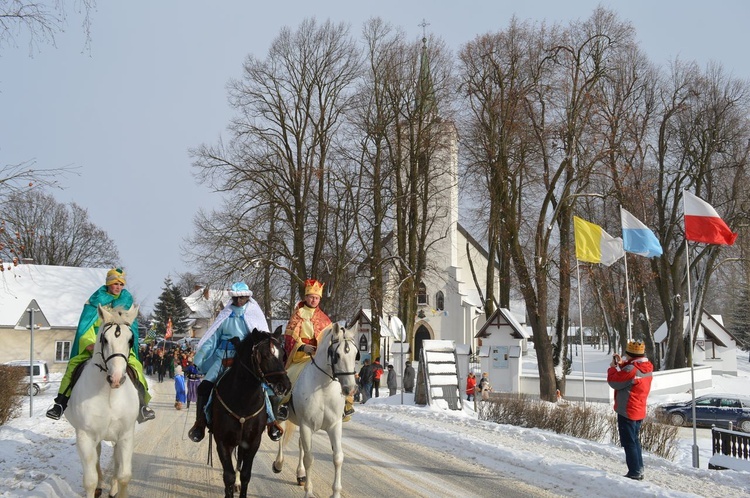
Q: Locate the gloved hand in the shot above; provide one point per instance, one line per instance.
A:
(308, 348)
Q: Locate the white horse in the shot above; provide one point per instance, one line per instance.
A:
(104, 403)
(317, 403)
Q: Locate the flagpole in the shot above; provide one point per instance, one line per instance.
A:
(696, 455)
(580, 323)
(627, 290)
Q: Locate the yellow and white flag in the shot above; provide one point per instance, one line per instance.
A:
(594, 245)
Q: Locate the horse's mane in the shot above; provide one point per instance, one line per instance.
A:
(246, 343)
(325, 338)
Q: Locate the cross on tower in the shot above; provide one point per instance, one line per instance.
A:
(424, 25)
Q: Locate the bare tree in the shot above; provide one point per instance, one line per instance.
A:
(40, 21)
(278, 162)
(36, 226)
(701, 146)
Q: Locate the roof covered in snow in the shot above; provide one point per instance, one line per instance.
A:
(60, 292)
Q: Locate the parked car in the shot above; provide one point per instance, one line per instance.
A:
(41, 375)
(710, 409)
(166, 345)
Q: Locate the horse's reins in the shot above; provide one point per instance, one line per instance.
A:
(261, 377)
(333, 357)
(101, 340)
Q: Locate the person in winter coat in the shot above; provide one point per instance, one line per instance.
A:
(409, 377)
(377, 372)
(471, 386)
(193, 379)
(366, 377)
(484, 386)
(631, 377)
(180, 395)
(391, 381)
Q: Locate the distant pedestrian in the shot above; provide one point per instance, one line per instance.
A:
(471, 386)
(391, 381)
(366, 377)
(180, 394)
(409, 377)
(377, 372)
(161, 365)
(485, 388)
(631, 377)
(193, 379)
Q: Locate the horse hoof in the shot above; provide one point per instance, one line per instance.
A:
(97, 492)
(275, 470)
(301, 480)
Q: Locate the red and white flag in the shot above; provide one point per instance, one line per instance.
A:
(168, 335)
(703, 223)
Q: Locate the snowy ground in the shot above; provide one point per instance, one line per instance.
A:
(38, 456)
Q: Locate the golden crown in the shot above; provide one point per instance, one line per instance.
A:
(313, 287)
(636, 347)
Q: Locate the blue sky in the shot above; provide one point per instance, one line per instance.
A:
(153, 86)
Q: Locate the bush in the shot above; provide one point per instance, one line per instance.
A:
(574, 419)
(11, 392)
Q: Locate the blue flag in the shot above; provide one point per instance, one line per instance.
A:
(637, 238)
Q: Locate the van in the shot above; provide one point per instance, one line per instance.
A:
(41, 375)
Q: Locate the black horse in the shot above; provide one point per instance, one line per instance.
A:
(239, 405)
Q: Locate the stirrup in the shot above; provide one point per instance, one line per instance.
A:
(145, 414)
(274, 431)
(283, 413)
(55, 412)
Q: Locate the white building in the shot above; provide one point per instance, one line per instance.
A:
(60, 293)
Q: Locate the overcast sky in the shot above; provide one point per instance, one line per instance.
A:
(153, 86)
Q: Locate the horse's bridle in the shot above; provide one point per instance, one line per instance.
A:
(333, 358)
(255, 372)
(118, 331)
(255, 362)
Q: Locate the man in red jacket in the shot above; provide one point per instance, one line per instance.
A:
(630, 377)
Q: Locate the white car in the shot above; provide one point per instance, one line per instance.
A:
(41, 375)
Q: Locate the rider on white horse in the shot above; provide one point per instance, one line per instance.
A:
(110, 295)
(301, 340)
(215, 350)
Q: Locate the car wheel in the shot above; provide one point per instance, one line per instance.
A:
(744, 425)
(677, 418)
(33, 390)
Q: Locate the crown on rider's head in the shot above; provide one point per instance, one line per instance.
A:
(313, 287)
(115, 275)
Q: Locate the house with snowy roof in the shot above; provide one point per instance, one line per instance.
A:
(59, 292)
(714, 346)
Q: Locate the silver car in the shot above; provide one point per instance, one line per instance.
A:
(41, 375)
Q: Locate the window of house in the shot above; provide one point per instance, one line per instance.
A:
(62, 351)
(422, 294)
(440, 301)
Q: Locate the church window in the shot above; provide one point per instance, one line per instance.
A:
(422, 298)
(440, 301)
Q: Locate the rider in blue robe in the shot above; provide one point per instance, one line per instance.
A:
(216, 349)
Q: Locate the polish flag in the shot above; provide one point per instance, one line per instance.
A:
(703, 223)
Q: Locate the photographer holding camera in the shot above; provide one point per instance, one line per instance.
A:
(631, 377)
